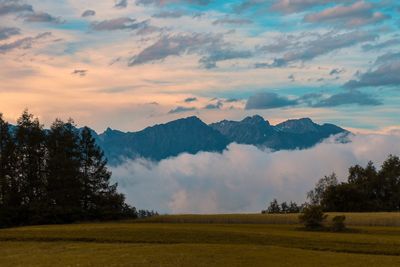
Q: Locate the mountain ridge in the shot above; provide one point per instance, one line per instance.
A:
(191, 135)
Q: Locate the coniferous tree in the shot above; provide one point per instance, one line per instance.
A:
(63, 172)
(55, 176)
(8, 181)
(99, 197)
(30, 166)
(390, 183)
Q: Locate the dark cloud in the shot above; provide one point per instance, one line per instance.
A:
(294, 6)
(181, 110)
(386, 58)
(7, 32)
(24, 43)
(26, 12)
(382, 45)
(163, 2)
(231, 100)
(13, 7)
(276, 63)
(88, 13)
(321, 45)
(314, 100)
(172, 46)
(348, 98)
(80, 73)
(147, 29)
(210, 61)
(191, 99)
(282, 6)
(118, 24)
(173, 14)
(282, 44)
(217, 105)
(385, 73)
(121, 4)
(41, 17)
(310, 99)
(357, 14)
(211, 47)
(232, 21)
(336, 71)
(269, 101)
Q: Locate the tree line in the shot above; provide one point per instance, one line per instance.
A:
(366, 189)
(57, 175)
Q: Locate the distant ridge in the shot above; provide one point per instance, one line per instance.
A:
(191, 135)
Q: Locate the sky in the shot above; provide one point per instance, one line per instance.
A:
(128, 64)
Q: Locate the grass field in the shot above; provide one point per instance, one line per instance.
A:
(217, 240)
(353, 219)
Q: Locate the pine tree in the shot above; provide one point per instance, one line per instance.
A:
(30, 167)
(99, 197)
(63, 172)
(7, 173)
(54, 176)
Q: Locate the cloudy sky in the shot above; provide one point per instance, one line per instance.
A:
(128, 64)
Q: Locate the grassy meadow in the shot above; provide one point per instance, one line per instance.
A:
(205, 240)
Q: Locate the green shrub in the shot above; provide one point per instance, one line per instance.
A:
(338, 224)
(313, 217)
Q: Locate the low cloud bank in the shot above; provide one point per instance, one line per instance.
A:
(243, 178)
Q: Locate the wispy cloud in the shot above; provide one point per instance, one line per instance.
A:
(88, 13)
(7, 32)
(24, 43)
(269, 101)
(358, 14)
(181, 110)
(121, 3)
(124, 23)
(323, 44)
(385, 73)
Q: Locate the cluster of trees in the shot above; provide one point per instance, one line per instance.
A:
(366, 189)
(146, 213)
(55, 176)
(274, 207)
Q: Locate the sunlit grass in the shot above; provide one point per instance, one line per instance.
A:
(354, 219)
(215, 240)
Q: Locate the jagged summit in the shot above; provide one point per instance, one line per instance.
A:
(256, 119)
(298, 126)
(192, 135)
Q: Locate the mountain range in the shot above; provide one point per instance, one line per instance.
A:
(191, 135)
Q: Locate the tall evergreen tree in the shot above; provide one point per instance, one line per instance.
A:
(54, 176)
(99, 197)
(63, 172)
(390, 177)
(30, 167)
(8, 184)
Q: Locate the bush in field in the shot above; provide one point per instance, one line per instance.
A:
(338, 224)
(275, 208)
(313, 217)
